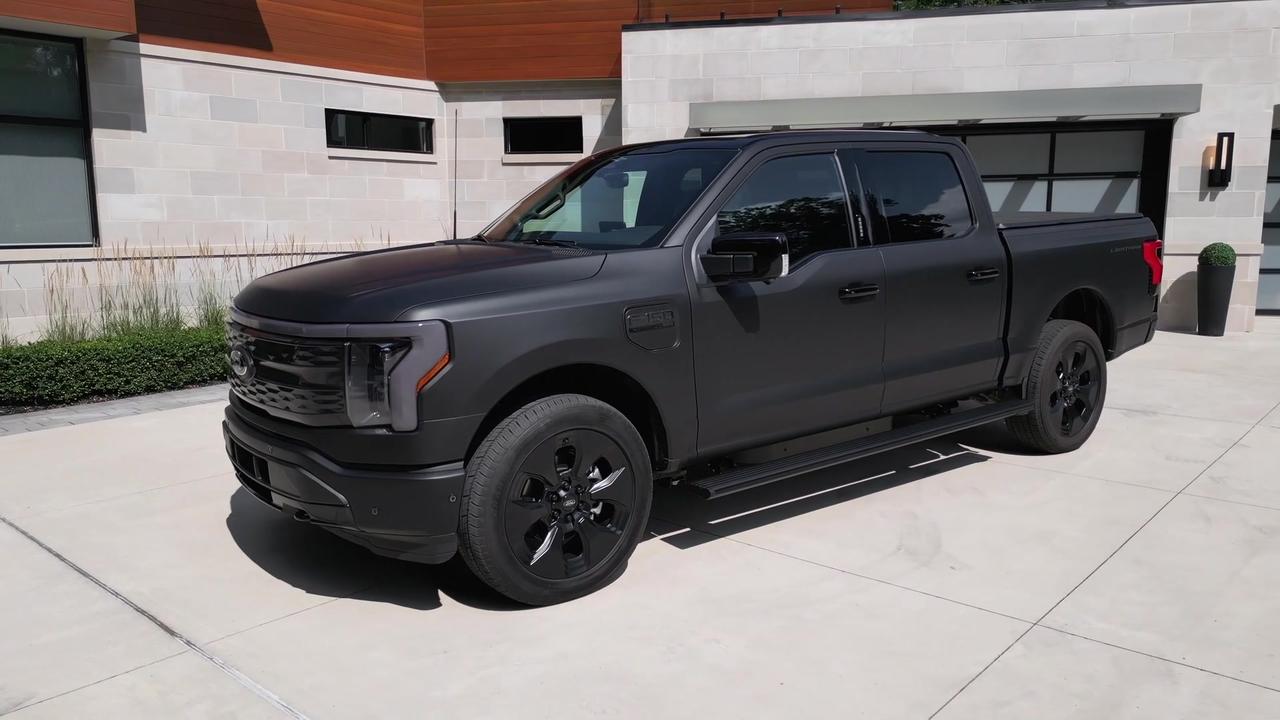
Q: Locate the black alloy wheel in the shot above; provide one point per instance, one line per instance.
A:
(1067, 386)
(1076, 397)
(570, 504)
(556, 499)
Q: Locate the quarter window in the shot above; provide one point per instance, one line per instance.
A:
(372, 131)
(800, 196)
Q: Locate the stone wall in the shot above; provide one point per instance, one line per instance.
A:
(1229, 48)
(194, 147)
(489, 181)
(198, 154)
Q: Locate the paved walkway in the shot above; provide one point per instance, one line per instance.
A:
(107, 409)
(1133, 578)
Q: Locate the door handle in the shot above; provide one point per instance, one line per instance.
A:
(985, 273)
(859, 290)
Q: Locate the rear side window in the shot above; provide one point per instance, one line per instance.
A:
(800, 196)
(918, 193)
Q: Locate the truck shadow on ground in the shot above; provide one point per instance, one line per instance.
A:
(319, 563)
(684, 520)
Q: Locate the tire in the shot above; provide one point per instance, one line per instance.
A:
(1068, 384)
(555, 500)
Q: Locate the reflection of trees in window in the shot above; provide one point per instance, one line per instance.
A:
(914, 226)
(810, 223)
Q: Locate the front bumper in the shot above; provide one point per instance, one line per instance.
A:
(409, 513)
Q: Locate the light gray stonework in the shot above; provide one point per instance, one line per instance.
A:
(489, 181)
(1228, 49)
(242, 131)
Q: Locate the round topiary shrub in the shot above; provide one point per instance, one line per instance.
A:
(1218, 254)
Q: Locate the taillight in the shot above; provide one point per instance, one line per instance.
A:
(1152, 255)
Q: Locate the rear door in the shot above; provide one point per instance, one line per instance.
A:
(799, 354)
(945, 274)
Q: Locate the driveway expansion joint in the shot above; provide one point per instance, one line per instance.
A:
(216, 661)
(1107, 559)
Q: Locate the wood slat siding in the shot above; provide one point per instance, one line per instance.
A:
(110, 15)
(476, 40)
(374, 36)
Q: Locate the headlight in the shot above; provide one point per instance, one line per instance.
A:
(369, 367)
(387, 366)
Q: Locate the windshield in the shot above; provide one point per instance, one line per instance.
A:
(613, 201)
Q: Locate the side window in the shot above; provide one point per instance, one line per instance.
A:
(919, 194)
(800, 196)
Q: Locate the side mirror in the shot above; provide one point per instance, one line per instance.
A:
(747, 256)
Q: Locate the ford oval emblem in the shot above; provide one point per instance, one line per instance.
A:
(241, 363)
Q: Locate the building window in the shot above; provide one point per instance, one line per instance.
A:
(1269, 273)
(46, 196)
(542, 135)
(353, 130)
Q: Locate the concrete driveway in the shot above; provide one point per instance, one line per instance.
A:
(1137, 577)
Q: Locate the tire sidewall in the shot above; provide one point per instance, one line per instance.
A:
(483, 502)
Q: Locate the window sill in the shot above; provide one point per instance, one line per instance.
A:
(355, 154)
(541, 158)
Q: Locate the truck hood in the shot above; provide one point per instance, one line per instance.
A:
(379, 286)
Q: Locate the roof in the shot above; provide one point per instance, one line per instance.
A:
(782, 137)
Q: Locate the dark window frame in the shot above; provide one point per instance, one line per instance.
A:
(507, 122)
(428, 137)
(84, 123)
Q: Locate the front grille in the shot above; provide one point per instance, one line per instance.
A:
(292, 377)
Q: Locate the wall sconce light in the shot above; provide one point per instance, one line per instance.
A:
(1224, 153)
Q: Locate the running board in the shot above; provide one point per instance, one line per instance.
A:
(752, 476)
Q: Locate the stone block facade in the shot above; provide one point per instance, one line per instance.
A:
(193, 147)
(489, 180)
(217, 163)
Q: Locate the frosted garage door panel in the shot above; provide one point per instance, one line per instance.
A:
(1098, 152)
(1017, 195)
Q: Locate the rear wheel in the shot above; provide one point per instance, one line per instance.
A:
(1068, 384)
(556, 499)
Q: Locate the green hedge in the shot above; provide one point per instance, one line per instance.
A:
(52, 372)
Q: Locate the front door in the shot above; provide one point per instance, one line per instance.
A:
(799, 354)
(945, 272)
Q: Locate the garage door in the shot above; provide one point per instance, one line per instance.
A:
(1071, 168)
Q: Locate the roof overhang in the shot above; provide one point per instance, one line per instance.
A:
(1131, 102)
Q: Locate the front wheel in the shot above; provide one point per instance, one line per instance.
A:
(1067, 384)
(556, 499)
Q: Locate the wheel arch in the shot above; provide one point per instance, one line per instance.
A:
(604, 383)
(1087, 306)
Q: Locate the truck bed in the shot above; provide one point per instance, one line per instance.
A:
(1053, 254)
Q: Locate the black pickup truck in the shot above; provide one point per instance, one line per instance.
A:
(726, 312)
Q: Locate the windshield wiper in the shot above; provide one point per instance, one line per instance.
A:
(547, 241)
